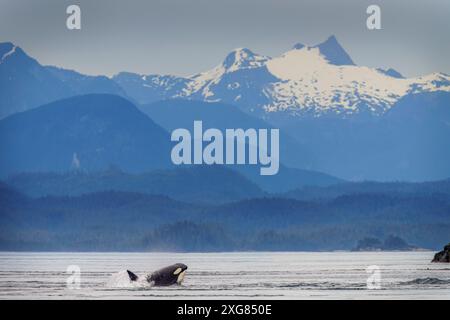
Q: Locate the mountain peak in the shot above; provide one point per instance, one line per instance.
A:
(243, 58)
(391, 73)
(6, 46)
(334, 53)
(9, 50)
(6, 49)
(298, 46)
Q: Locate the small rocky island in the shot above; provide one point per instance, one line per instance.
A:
(442, 256)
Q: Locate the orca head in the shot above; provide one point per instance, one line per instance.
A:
(180, 272)
(173, 274)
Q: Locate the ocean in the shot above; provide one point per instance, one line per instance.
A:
(235, 275)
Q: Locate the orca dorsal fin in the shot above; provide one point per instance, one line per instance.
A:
(132, 276)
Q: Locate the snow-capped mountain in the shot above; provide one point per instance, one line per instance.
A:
(309, 82)
(306, 80)
(315, 80)
(239, 61)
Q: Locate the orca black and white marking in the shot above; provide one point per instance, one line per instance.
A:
(167, 276)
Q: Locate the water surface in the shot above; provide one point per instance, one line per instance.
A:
(240, 275)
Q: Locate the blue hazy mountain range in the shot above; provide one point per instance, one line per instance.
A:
(96, 132)
(199, 184)
(245, 79)
(358, 134)
(294, 155)
(26, 84)
(86, 164)
(91, 132)
(409, 142)
(130, 221)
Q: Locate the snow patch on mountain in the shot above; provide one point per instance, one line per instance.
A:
(436, 81)
(310, 81)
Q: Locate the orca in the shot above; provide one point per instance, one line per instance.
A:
(167, 276)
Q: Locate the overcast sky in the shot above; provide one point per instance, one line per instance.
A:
(183, 37)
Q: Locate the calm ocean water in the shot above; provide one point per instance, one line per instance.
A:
(240, 275)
